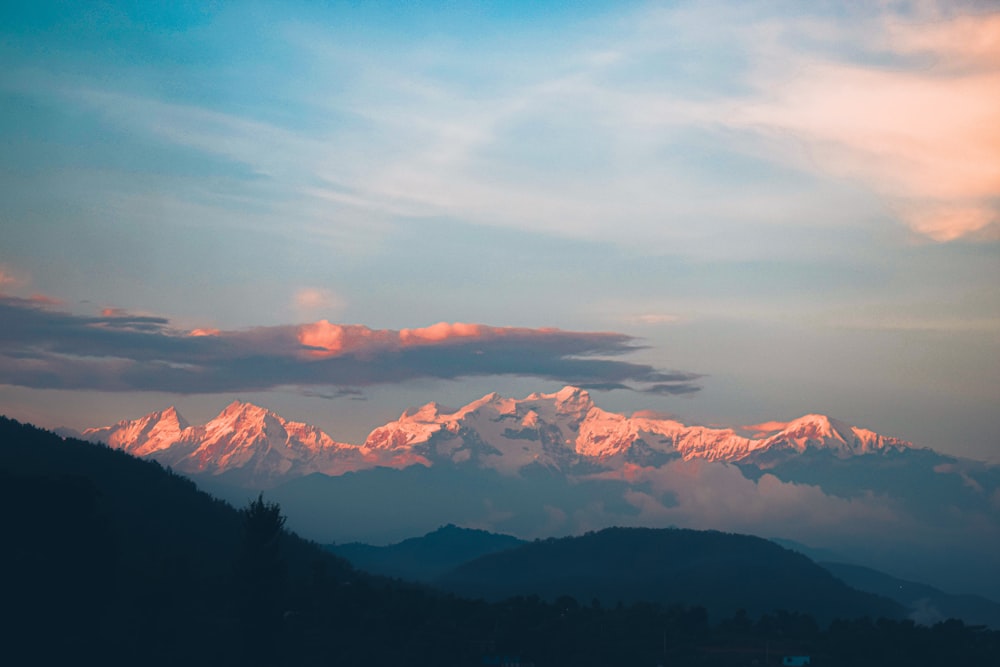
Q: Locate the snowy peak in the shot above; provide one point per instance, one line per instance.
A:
(238, 415)
(816, 431)
(572, 399)
(247, 442)
(172, 416)
(142, 436)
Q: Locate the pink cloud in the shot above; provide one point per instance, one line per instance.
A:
(925, 136)
(968, 41)
(443, 331)
(326, 339)
(45, 300)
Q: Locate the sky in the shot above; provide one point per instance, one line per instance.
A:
(728, 212)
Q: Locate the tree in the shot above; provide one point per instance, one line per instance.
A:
(261, 582)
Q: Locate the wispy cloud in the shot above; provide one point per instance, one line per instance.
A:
(920, 130)
(116, 351)
(620, 134)
(902, 101)
(310, 301)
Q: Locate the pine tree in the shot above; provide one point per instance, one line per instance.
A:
(261, 582)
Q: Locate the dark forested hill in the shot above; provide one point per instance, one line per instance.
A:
(117, 556)
(720, 571)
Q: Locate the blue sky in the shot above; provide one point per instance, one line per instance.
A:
(796, 202)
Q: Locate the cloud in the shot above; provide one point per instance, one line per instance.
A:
(920, 128)
(766, 427)
(679, 386)
(703, 494)
(654, 318)
(336, 393)
(7, 279)
(42, 347)
(310, 300)
(899, 99)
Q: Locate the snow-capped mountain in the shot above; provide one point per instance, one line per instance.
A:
(562, 431)
(155, 432)
(252, 445)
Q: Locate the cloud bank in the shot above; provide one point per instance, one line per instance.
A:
(703, 494)
(41, 347)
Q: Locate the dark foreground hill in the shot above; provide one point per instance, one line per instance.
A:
(720, 571)
(110, 560)
(108, 555)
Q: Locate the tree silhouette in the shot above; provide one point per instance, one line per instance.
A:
(261, 582)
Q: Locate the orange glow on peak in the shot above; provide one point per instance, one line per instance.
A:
(204, 332)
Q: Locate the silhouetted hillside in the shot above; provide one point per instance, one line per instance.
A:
(112, 552)
(720, 571)
(427, 557)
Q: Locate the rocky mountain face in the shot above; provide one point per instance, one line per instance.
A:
(564, 431)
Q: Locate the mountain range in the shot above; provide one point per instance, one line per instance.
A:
(563, 431)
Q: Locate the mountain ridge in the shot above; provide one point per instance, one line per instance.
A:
(564, 430)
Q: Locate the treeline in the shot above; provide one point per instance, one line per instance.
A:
(107, 559)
